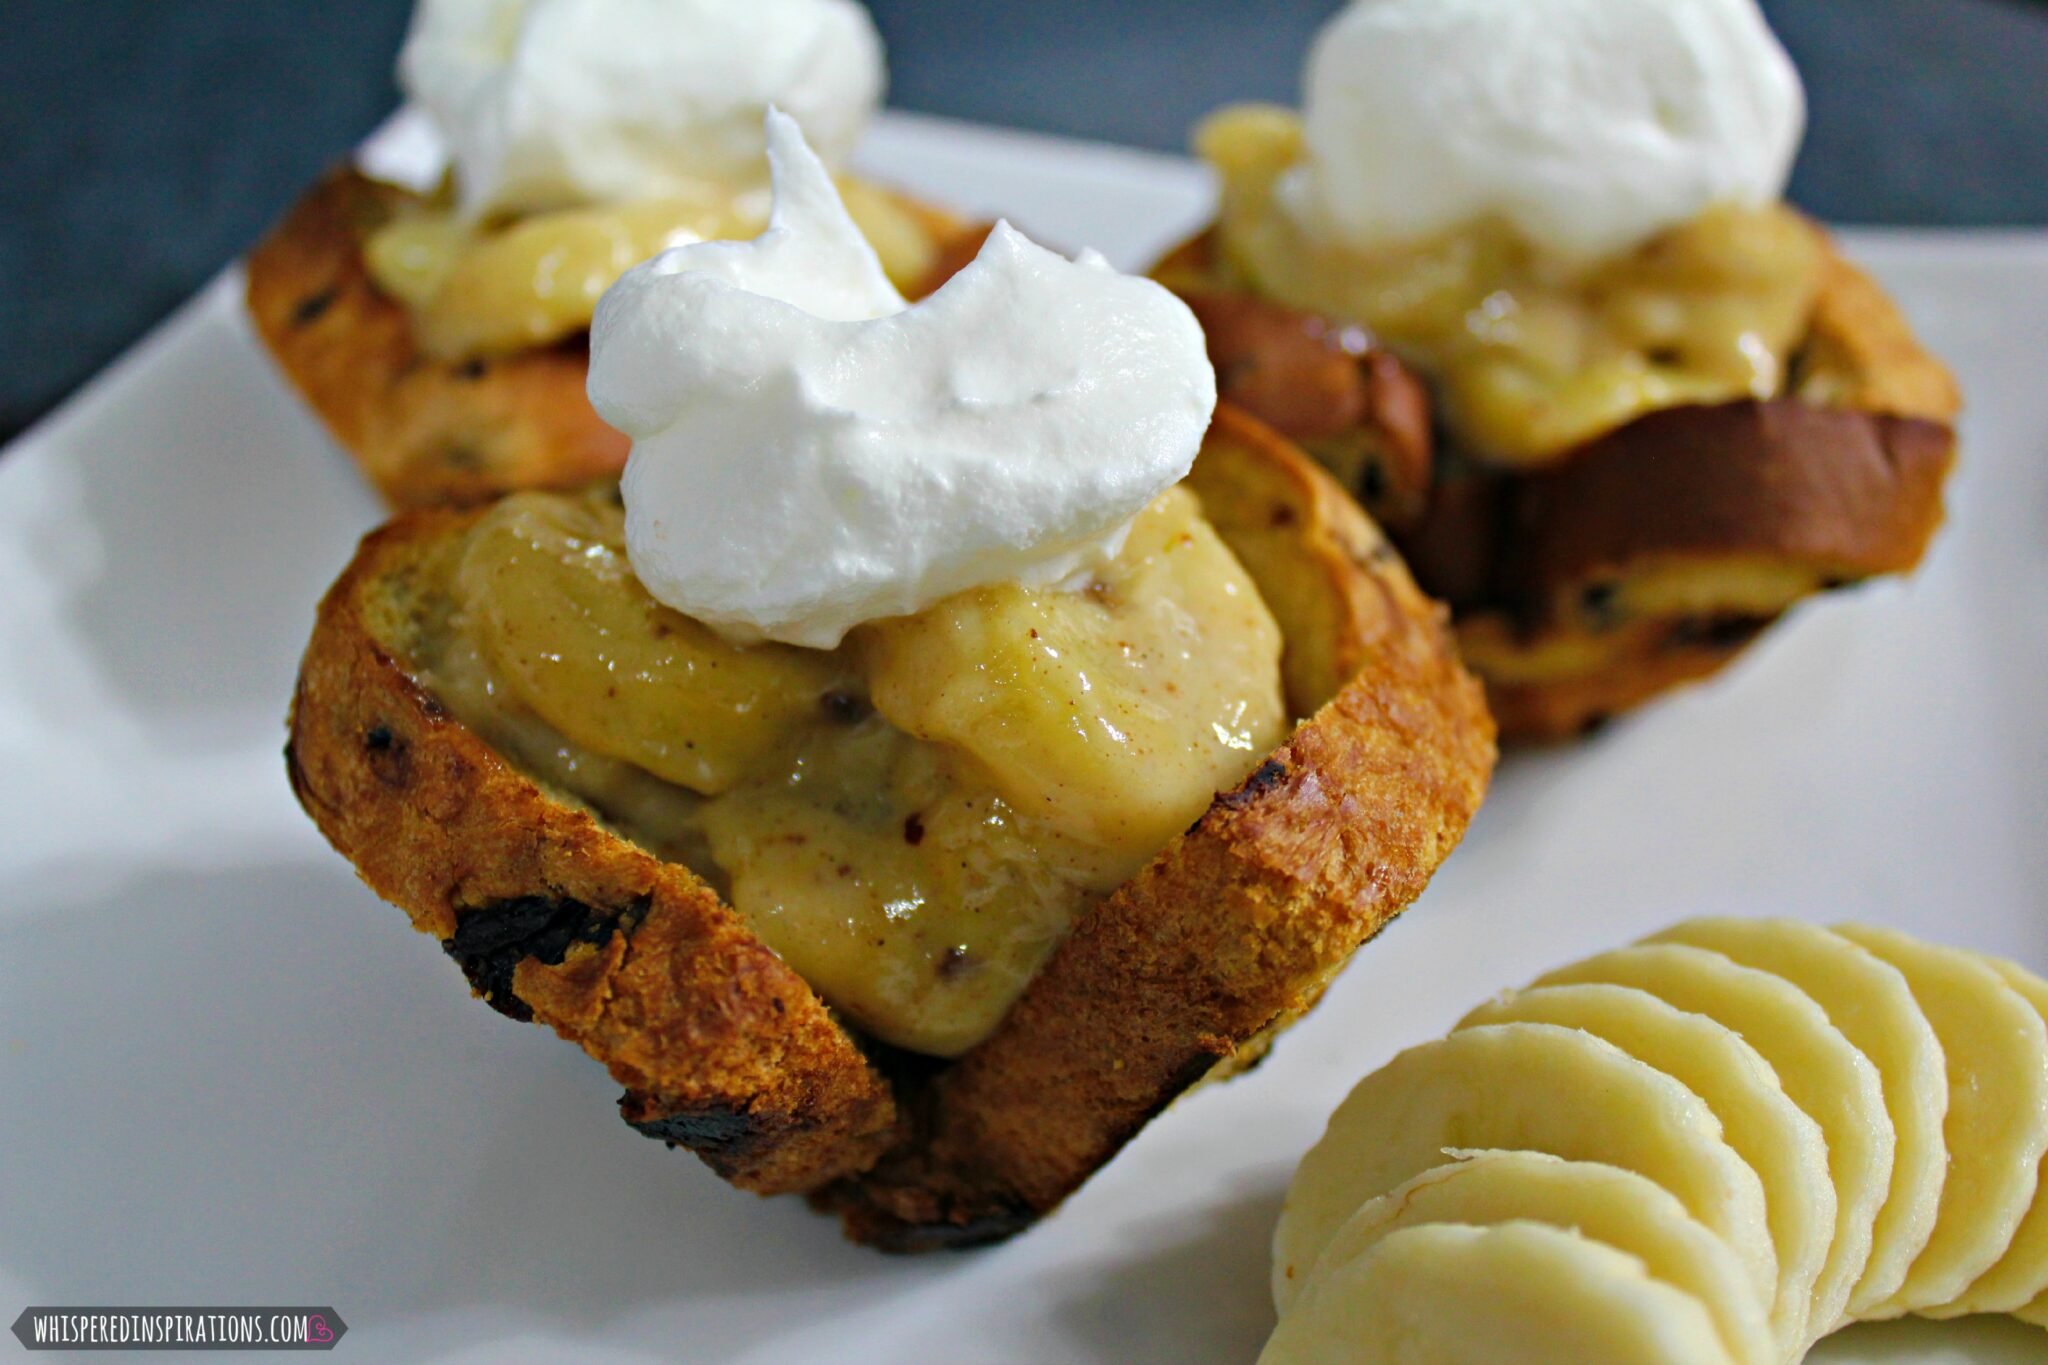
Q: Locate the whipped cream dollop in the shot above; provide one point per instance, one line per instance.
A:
(547, 104)
(1589, 125)
(809, 453)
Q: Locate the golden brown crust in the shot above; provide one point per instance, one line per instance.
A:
(426, 432)
(1652, 555)
(1241, 922)
(1234, 927)
(1861, 354)
(429, 432)
(1329, 386)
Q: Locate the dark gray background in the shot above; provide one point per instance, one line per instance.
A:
(148, 141)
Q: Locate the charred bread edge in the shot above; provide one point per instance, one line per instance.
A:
(1235, 927)
(725, 1050)
(721, 1046)
(429, 432)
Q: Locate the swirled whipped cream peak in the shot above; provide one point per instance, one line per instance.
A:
(809, 453)
(1588, 125)
(547, 104)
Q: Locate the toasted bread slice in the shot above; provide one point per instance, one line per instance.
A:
(430, 432)
(1569, 681)
(1652, 555)
(1349, 401)
(1234, 928)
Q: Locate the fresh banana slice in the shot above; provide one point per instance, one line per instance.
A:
(1514, 1293)
(1820, 1069)
(1997, 1127)
(1868, 1000)
(2023, 1271)
(1614, 1207)
(1778, 1140)
(1520, 1086)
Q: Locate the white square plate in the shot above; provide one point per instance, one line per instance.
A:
(229, 1075)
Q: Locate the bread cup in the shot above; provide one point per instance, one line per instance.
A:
(429, 431)
(1185, 972)
(1647, 557)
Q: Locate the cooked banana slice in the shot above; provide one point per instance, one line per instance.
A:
(545, 587)
(1820, 1069)
(2023, 1271)
(1779, 1141)
(1537, 1087)
(1997, 1127)
(1614, 1207)
(1124, 707)
(1513, 1293)
(1868, 1000)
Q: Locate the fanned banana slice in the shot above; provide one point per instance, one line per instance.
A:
(1777, 1138)
(1820, 1069)
(1997, 1127)
(1869, 1001)
(1519, 1086)
(2023, 1271)
(1514, 1293)
(1614, 1207)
